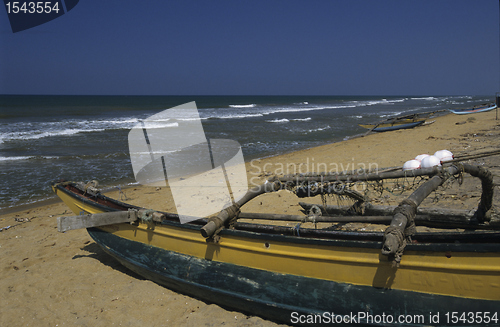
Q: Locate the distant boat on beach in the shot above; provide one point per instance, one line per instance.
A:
(395, 123)
(401, 122)
(479, 108)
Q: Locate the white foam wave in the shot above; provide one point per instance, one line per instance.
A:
(302, 119)
(159, 124)
(18, 158)
(35, 135)
(424, 98)
(243, 105)
(318, 129)
(265, 111)
(284, 120)
(121, 123)
(157, 153)
(118, 121)
(38, 130)
(240, 116)
(289, 109)
(390, 115)
(15, 158)
(376, 102)
(393, 101)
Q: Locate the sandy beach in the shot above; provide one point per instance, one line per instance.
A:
(64, 279)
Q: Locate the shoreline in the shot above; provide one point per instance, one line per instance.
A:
(127, 185)
(67, 279)
(273, 160)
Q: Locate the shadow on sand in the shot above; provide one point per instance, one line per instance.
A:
(97, 253)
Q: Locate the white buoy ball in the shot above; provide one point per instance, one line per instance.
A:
(411, 164)
(444, 155)
(420, 157)
(430, 161)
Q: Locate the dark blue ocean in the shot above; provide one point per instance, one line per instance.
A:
(80, 138)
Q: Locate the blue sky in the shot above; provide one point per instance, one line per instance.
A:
(337, 47)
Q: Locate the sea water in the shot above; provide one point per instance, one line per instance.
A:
(82, 138)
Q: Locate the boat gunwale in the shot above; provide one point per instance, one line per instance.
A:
(355, 243)
(483, 241)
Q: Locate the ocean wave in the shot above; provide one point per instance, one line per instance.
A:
(284, 120)
(318, 129)
(305, 109)
(390, 115)
(243, 105)
(395, 100)
(424, 98)
(302, 119)
(266, 111)
(160, 124)
(236, 116)
(15, 158)
(39, 130)
(18, 158)
(385, 101)
(98, 124)
(263, 111)
(117, 121)
(366, 103)
(35, 135)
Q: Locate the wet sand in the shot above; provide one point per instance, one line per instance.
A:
(64, 279)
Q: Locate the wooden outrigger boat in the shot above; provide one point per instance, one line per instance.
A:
(401, 122)
(479, 108)
(394, 125)
(299, 275)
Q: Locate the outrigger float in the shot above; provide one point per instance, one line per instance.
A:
(281, 273)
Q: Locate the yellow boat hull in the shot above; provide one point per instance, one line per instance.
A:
(462, 275)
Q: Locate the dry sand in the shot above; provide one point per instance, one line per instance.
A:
(64, 279)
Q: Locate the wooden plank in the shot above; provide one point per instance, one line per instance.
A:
(95, 220)
(318, 219)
